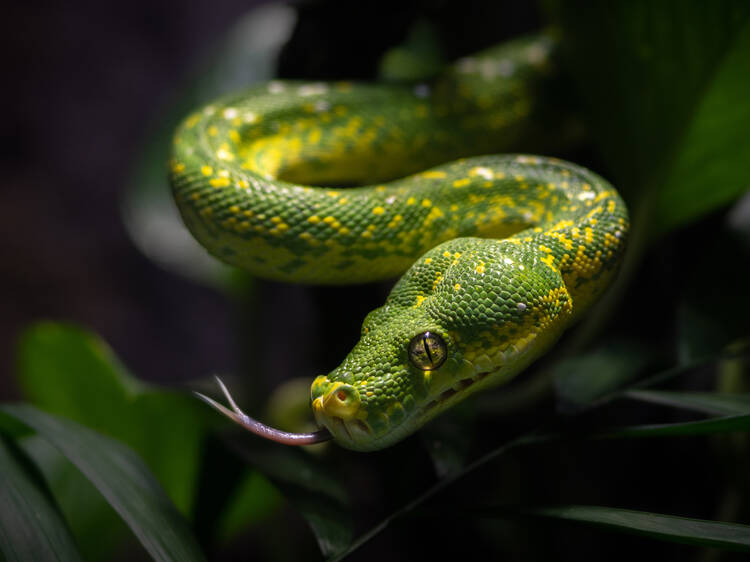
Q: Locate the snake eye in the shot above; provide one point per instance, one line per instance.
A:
(427, 351)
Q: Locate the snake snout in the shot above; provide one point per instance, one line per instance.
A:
(339, 401)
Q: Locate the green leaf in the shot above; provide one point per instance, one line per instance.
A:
(714, 305)
(230, 496)
(311, 489)
(252, 500)
(70, 372)
(447, 439)
(664, 89)
(31, 527)
(731, 536)
(707, 171)
(723, 404)
(581, 380)
(96, 527)
(417, 58)
(421, 498)
(718, 425)
(724, 424)
(122, 478)
(446, 442)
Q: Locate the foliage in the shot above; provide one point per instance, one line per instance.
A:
(97, 461)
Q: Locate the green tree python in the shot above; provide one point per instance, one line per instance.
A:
(498, 254)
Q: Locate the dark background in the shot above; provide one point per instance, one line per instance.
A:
(85, 83)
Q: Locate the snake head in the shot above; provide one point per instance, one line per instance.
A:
(385, 388)
(458, 321)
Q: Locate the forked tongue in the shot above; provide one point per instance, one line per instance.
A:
(261, 429)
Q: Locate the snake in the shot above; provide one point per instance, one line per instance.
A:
(344, 182)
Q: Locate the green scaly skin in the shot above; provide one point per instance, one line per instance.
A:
(500, 253)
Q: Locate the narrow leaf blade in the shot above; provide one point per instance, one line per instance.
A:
(716, 403)
(725, 424)
(122, 478)
(718, 534)
(31, 528)
(318, 496)
(71, 372)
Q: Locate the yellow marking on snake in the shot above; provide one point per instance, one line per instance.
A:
(497, 255)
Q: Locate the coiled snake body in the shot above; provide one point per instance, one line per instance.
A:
(499, 254)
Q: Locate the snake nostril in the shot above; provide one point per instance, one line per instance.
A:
(342, 400)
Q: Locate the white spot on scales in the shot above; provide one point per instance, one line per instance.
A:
(316, 88)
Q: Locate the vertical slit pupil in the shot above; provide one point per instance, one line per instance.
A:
(427, 351)
(427, 348)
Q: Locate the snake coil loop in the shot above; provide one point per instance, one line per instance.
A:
(498, 255)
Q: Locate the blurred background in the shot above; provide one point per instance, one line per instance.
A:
(88, 236)
(93, 84)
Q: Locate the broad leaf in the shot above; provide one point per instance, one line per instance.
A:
(252, 500)
(581, 380)
(417, 58)
(664, 88)
(70, 372)
(708, 169)
(122, 478)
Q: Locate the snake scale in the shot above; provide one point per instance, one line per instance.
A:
(498, 255)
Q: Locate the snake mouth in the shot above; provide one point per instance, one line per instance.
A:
(458, 388)
(355, 430)
(357, 434)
